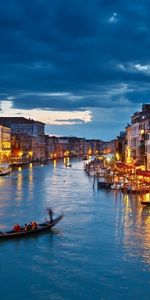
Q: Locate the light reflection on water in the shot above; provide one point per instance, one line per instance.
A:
(100, 250)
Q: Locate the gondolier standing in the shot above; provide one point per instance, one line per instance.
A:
(50, 212)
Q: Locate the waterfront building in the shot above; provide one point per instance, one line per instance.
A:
(76, 146)
(23, 129)
(147, 149)
(120, 146)
(138, 138)
(108, 147)
(5, 144)
(135, 136)
(58, 147)
(94, 147)
(23, 148)
(63, 147)
(128, 157)
(51, 147)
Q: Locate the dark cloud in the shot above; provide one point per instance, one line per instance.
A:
(87, 48)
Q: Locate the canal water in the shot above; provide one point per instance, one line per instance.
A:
(99, 251)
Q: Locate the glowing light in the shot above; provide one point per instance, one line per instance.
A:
(117, 156)
(54, 155)
(30, 153)
(89, 151)
(108, 159)
(66, 153)
(20, 153)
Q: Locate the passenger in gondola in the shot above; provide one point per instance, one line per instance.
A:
(29, 226)
(34, 225)
(17, 228)
(25, 227)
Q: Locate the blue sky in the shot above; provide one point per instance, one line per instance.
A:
(82, 67)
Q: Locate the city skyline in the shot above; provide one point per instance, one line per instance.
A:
(82, 67)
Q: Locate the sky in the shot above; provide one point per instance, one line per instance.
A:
(80, 66)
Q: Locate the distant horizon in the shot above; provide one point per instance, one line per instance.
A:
(76, 136)
(60, 132)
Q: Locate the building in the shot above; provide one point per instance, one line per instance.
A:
(109, 148)
(5, 144)
(76, 146)
(138, 137)
(51, 147)
(147, 149)
(128, 157)
(63, 148)
(23, 147)
(120, 146)
(93, 147)
(23, 129)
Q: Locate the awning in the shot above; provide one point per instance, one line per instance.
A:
(143, 173)
(124, 166)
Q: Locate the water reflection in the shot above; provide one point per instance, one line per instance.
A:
(19, 191)
(54, 163)
(106, 234)
(30, 181)
(136, 226)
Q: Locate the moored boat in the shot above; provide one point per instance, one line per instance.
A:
(135, 190)
(85, 157)
(42, 227)
(5, 169)
(117, 186)
(68, 165)
(104, 185)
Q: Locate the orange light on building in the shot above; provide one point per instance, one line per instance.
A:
(55, 155)
(89, 151)
(30, 153)
(20, 153)
(117, 156)
(66, 153)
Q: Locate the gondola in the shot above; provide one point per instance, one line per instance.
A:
(147, 203)
(41, 228)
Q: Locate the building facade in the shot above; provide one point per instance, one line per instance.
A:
(138, 137)
(26, 132)
(5, 144)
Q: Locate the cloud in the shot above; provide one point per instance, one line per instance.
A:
(47, 116)
(138, 68)
(74, 55)
(113, 18)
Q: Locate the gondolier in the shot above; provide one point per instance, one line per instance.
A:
(50, 212)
